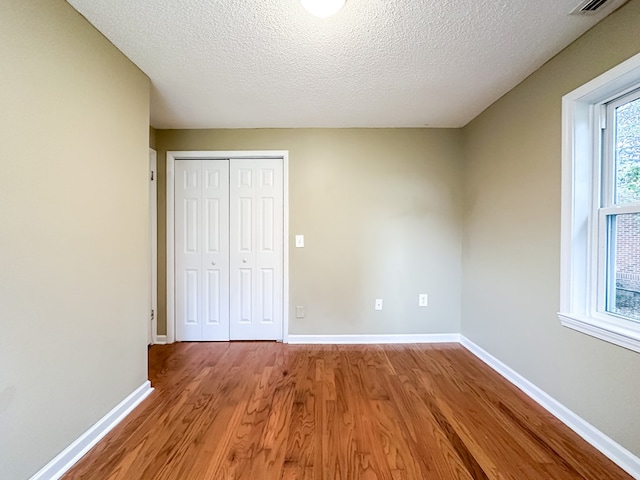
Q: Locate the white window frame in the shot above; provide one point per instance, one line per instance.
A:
(582, 235)
(608, 205)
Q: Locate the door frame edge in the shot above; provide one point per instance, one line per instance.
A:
(153, 234)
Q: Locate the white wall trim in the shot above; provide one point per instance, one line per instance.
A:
(373, 339)
(170, 247)
(285, 253)
(153, 238)
(172, 156)
(581, 276)
(614, 451)
(160, 340)
(74, 452)
(618, 334)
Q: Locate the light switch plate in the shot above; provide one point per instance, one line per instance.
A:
(378, 304)
(299, 311)
(299, 241)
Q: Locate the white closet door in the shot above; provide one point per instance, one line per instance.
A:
(215, 197)
(202, 249)
(256, 252)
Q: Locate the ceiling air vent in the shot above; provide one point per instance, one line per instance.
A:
(589, 7)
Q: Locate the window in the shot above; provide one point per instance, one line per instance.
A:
(619, 214)
(600, 275)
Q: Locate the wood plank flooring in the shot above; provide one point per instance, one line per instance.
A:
(263, 411)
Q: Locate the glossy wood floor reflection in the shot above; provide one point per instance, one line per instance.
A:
(263, 411)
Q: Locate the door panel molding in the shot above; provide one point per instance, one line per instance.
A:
(256, 246)
(172, 156)
(202, 249)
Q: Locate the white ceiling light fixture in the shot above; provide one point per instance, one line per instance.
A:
(322, 8)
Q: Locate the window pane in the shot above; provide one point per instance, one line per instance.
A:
(627, 142)
(624, 254)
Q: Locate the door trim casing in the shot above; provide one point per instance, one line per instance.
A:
(153, 234)
(172, 156)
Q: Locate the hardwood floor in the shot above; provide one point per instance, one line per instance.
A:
(265, 411)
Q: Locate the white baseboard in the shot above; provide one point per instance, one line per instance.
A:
(374, 339)
(616, 452)
(74, 452)
(160, 340)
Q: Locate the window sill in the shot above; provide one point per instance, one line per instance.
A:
(627, 336)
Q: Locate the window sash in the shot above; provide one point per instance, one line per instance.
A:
(606, 256)
(607, 155)
(605, 207)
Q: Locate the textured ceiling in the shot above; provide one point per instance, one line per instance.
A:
(377, 63)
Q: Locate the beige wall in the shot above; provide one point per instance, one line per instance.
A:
(511, 243)
(380, 211)
(152, 137)
(73, 230)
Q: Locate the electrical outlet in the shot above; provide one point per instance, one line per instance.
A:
(299, 311)
(378, 304)
(423, 300)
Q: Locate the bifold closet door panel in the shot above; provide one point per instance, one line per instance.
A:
(256, 249)
(215, 221)
(202, 249)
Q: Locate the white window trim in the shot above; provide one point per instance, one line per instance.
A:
(580, 171)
